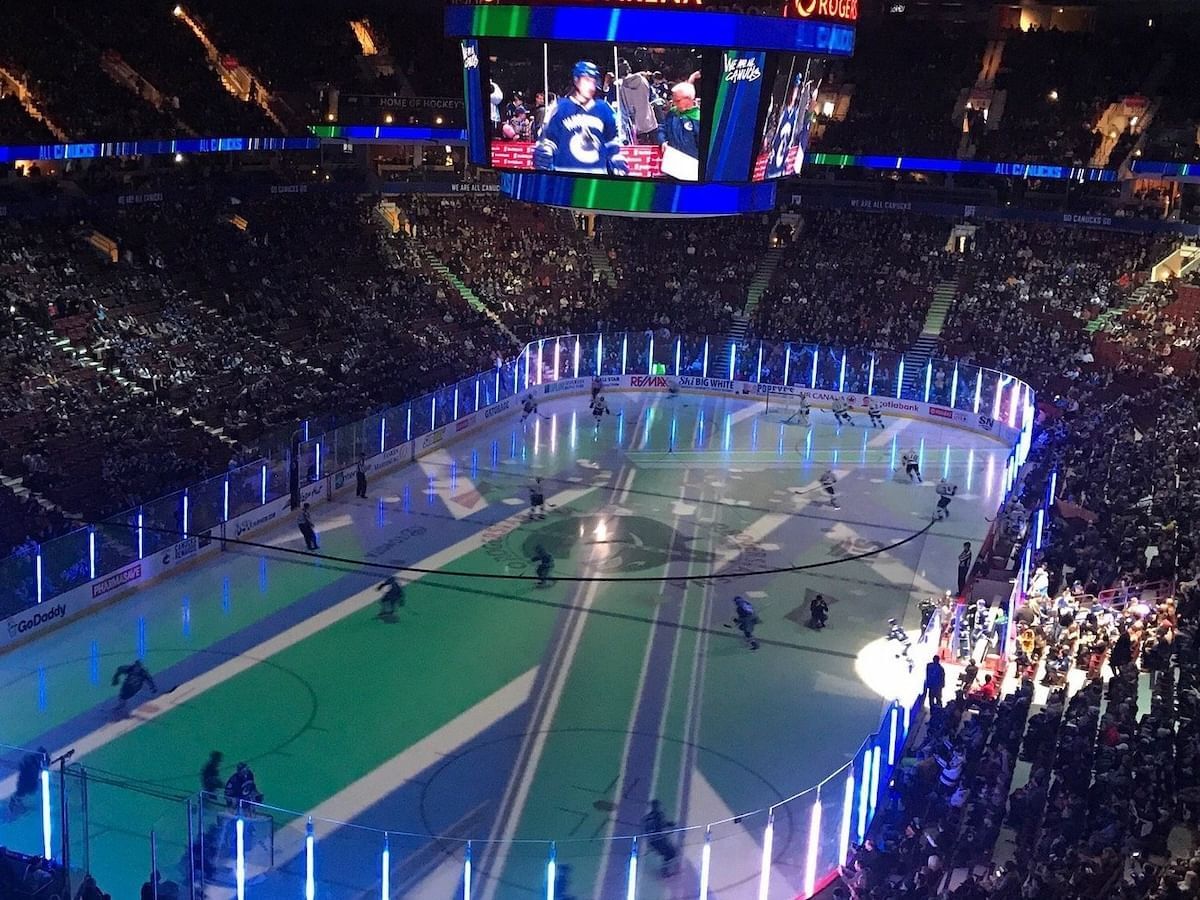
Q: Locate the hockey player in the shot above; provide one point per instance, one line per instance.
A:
(132, 679)
(581, 134)
(597, 387)
(841, 411)
(28, 773)
(307, 528)
(393, 597)
(744, 619)
(946, 491)
(241, 787)
(875, 411)
(528, 408)
(912, 465)
(828, 480)
(788, 133)
(537, 500)
(656, 827)
(545, 562)
(600, 409)
(801, 413)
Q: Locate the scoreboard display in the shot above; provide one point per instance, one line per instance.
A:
(641, 106)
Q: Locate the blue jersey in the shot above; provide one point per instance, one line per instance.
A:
(784, 133)
(580, 138)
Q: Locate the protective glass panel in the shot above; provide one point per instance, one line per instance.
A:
(206, 505)
(116, 542)
(422, 413)
(774, 358)
(245, 488)
(21, 824)
(395, 426)
(735, 862)
(940, 382)
(691, 355)
(829, 369)
(883, 379)
(66, 562)
(18, 581)
(963, 388)
(858, 371)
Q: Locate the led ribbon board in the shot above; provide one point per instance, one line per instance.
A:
(653, 27)
(649, 197)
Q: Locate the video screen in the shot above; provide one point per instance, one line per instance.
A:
(596, 109)
(790, 111)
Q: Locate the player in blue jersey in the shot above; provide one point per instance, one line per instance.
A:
(581, 134)
(787, 132)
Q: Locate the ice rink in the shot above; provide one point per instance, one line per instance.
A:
(489, 708)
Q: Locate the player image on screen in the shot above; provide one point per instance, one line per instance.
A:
(581, 134)
(788, 120)
(596, 109)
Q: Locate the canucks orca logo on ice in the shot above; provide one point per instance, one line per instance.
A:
(610, 543)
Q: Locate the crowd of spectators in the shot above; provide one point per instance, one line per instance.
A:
(542, 274)
(62, 72)
(530, 265)
(849, 279)
(1106, 780)
(162, 50)
(683, 276)
(1029, 291)
(218, 329)
(907, 76)
(1158, 326)
(1057, 84)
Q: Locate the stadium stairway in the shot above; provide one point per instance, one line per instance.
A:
(761, 279)
(739, 328)
(600, 264)
(927, 343)
(15, 82)
(16, 484)
(83, 357)
(1115, 312)
(718, 360)
(456, 284)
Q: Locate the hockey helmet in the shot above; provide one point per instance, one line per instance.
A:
(585, 68)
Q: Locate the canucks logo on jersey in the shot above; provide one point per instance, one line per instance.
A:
(792, 130)
(581, 134)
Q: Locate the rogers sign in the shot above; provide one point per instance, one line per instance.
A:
(843, 10)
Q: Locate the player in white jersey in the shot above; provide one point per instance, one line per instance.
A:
(841, 411)
(528, 408)
(911, 461)
(599, 407)
(801, 413)
(828, 482)
(875, 411)
(946, 491)
(537, 500)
